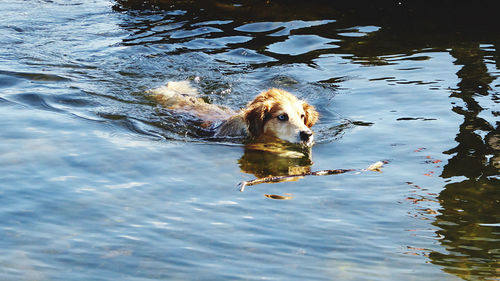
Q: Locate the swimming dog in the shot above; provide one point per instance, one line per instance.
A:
(274, 113)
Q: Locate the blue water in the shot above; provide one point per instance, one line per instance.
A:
(97, 182)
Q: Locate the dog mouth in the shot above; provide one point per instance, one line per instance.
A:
(301, 141)
(294, 142)
(306, 139)
(304, 144)
(308, 142)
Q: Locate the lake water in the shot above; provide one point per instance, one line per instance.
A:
(97, 182)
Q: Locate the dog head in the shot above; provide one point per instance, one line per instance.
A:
(277, 113)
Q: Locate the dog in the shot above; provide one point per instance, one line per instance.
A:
(273, 114)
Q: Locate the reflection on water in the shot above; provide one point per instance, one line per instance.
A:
(469, 223)
(275, 159)
(96, 179)
(469, 218)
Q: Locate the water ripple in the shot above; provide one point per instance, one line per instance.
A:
(40, 77)
(279, 28)
(301, 44)
(99, 180)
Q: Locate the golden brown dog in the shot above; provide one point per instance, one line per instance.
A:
(274, 113)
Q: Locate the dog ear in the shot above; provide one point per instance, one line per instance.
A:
(311, 115)
(255, 117)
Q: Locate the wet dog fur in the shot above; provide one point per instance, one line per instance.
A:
(274, 113)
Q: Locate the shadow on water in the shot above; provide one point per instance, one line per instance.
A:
(469, 220)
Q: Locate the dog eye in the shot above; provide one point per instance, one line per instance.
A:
(282, 117)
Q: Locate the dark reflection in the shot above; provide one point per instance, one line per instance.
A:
(469, 229)
(470, 217)
(402, 27)
(275, 159)
(477, 152)
(251, 31)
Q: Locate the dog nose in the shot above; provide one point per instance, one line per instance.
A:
(305, 135)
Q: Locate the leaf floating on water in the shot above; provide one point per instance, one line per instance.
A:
(278, 197)
(376, 167)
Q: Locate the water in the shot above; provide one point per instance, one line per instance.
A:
(97, 182)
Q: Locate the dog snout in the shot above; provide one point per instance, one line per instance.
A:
(305, 136)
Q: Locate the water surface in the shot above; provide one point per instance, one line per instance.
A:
(97, 182)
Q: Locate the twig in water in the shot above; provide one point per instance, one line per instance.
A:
(373, 167)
